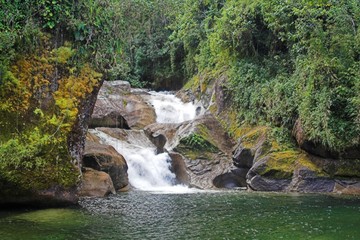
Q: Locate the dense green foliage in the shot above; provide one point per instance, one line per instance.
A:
(285, 61)
(123, 39)
(44, 76)
(52, 54)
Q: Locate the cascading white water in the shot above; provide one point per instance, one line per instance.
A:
(146, 169)
(170, 109)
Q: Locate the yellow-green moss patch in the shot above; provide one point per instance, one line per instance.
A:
(305, 161)
(252, 137)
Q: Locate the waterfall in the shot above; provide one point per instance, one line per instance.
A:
(170, 109)
(147, 170)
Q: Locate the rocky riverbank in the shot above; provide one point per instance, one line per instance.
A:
(213, 151)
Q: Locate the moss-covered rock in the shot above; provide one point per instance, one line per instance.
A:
(44, 112)
(271, 158)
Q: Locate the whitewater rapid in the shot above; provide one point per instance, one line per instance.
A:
(147, 170)
(170, 109)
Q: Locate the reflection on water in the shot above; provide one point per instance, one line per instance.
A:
(198, 215)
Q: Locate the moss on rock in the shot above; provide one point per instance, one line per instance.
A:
(38, 114)
(196, 146)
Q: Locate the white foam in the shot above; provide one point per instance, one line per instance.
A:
(147, 170)
(170, 109)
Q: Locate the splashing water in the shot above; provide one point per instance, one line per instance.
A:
(170, 109)
(147, 170)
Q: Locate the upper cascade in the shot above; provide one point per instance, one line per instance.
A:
(170, 109)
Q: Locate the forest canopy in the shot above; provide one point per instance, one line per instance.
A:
(286, 61)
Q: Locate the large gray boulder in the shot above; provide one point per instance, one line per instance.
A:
(117, 106)
(201, 150)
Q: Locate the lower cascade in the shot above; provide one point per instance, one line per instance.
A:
(147, 170)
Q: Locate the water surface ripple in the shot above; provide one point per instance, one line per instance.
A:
(201, 215)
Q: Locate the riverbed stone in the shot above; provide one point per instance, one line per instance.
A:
(95, 184)
(105, 158)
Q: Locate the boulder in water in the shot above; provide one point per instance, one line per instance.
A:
(95, 184)
(206, 149)
(158, 139)
(105, 158)
(178, 166)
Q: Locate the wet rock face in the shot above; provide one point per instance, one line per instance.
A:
(105, 158)
(179, 167)
(210, 157)
(306, 180)
(95, 184)
(111, 120)
(158, 139)
(272, 169)
(117, 106)
(200, 150)
(272, 180)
